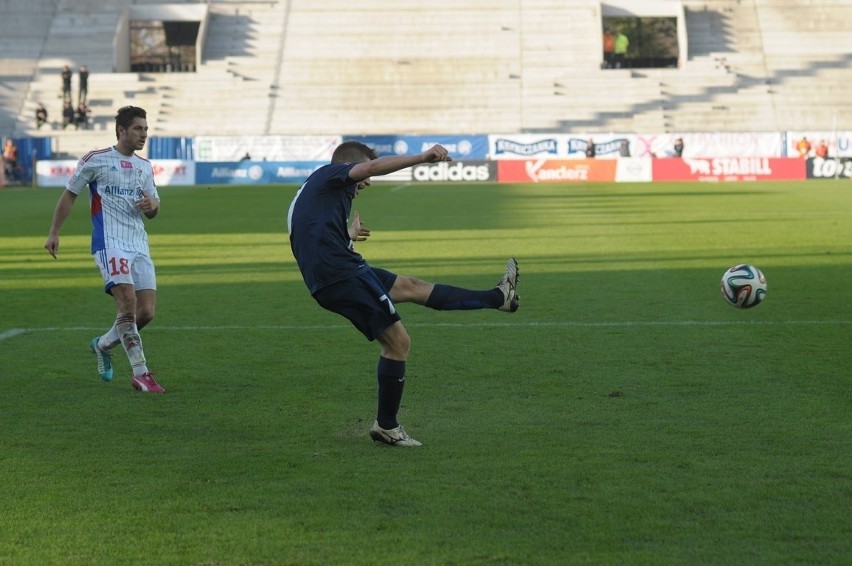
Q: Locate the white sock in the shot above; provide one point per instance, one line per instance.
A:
(109, 340)
(125, 325)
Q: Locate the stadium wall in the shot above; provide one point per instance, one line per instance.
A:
(502, 158)
(176, 172)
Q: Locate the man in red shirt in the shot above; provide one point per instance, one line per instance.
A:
(608, 47)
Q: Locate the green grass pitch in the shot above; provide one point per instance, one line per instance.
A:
(624, 415)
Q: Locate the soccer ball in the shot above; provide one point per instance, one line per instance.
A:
(743, 286)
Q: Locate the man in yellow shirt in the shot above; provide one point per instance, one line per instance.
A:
(620, 49)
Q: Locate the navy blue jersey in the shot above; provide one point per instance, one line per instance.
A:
(317, 222)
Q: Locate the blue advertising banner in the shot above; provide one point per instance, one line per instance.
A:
(460, 147)
(253, 172)
(171, 148)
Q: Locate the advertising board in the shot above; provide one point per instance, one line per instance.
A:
(728, 169)
(167, 172)
(455, 171)
(556, 170)
(829, 168)
(560, 146)
(838, 144)
(254, 172)
(710, 144)
(459, 147)
(268, 148)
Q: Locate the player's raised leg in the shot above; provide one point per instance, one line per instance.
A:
(508, 285)
(439, 296)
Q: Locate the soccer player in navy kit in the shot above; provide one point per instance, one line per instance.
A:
(341, 281)
(121, 191)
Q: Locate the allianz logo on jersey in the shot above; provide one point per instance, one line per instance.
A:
(502, 146)
(119, 191)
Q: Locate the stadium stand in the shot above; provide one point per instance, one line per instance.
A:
(808, 52)
(23, 27)
(229, 94)
(460, 66)
(370, 67)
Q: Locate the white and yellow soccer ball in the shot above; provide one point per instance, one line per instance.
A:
(743, 286)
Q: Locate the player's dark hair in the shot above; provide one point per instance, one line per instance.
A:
(126, 115)
(353, 152)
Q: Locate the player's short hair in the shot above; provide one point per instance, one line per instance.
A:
(126, 115)
(353, 152)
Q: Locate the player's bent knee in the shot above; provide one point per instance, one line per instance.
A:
(395, 342)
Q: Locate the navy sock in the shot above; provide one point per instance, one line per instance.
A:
(449, 298)
(391, 375)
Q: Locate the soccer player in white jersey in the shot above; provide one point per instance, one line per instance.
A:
(121, 191)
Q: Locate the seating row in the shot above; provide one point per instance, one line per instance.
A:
(307, 67)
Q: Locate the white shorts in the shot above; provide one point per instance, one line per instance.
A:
(122, 267)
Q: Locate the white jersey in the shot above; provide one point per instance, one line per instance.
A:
(116, 182)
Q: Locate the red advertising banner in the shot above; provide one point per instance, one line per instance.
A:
(716, 169)
(556, 170)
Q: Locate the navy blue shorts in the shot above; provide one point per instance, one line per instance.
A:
(364, 300)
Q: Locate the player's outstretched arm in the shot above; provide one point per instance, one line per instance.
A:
(392, 163)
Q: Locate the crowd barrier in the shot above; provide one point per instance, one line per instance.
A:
(175, 172)
(502, 158)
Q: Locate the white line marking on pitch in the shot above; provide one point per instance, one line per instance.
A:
(551, 324)
(11, 332)
(400, 187)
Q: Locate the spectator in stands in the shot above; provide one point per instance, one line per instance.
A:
(10, 160)
(84, 85)
(66, 84)
(803, 146)
(41, 115)
(678, 147)
(120, 187)
(343, 282)
(590, 149)
(246, 157)
(622, 43)
(624, 149)
(67, 114)
(81, 116)
(821, 149)
(608, 47)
